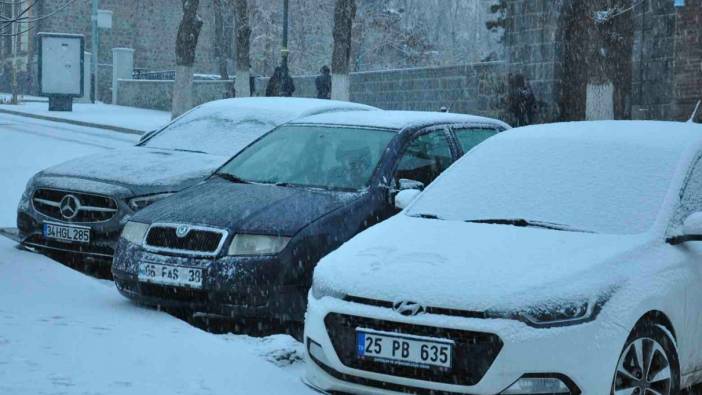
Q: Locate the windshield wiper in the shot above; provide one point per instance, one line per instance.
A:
(232, 178)
(189, 150)
(524, 223)
(426, 216)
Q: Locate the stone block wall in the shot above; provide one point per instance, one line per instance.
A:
(687, 80)
(476, 89)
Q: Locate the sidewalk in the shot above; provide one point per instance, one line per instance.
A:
(103, 116)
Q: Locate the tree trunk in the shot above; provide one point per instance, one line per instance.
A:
(243, 44)
(186, 42)
(344, 13)
(220, 40)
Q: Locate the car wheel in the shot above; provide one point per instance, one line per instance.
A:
(648, 364)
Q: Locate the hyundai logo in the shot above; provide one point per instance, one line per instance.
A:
(408, 308)
(182, 230)
(69, 206)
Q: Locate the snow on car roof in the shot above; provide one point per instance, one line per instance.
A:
(394, 119)
(282, 109)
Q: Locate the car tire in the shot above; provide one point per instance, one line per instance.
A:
(649, 360)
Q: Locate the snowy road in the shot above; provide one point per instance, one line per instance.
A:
(62, 332)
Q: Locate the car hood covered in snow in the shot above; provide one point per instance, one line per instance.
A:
(140, 170)
(475, 267)
(246, 208)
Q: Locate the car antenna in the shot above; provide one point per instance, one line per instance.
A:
(696, 112)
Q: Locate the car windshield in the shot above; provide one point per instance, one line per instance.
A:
(312, 156)
(218, 132)
(554, 182)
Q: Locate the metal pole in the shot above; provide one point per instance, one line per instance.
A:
(95, 48)
(285, 36)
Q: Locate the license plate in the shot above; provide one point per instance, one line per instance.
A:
(76, 234)
(170, 275)
(416, 351)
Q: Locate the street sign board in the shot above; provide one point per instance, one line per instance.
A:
(61, 64)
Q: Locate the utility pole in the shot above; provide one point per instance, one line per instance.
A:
(285, 51)
(95, 45)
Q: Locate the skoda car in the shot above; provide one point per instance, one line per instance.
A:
(79, 207)
(558, 259)
(244, 243)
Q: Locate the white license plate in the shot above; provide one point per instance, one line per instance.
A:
(78, 234)
(170, 275)
(417, 351)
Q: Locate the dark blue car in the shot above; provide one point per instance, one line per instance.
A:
(244, 242)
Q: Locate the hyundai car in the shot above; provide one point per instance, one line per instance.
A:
(244, 243)
(553, 259)
(77, 209)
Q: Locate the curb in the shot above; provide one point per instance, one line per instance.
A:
(73, 122)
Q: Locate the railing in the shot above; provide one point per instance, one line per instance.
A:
(168, 75)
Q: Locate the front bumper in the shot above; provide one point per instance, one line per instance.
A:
(104, 235)
(584, 355)
(233, 287)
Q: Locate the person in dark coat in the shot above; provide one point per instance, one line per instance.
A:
(323, 83)
(287, 86)
(521, 100)
(273, 87)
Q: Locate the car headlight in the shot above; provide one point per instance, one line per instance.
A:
(140, 202)
(321, 290)
(556, 314)
(244, 244)
(134, 232)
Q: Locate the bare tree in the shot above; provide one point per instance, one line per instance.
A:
(220, 40)
(186, 43)
(243, 45)
(344, 13)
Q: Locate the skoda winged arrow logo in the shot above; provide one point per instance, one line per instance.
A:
(182, 230)
(408, 308)
(69, 206)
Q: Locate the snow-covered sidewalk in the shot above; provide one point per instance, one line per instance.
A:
(64, 332)
(120, 118)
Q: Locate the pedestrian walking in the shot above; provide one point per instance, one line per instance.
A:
(287, 86)
(273, 87)
(323, 83)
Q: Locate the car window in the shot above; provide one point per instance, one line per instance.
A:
(425, 158)
(691, 196)
(312, 156)
(470, 137)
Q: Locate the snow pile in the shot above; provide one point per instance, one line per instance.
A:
(62, 332)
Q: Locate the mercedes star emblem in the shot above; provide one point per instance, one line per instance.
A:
(69, 206)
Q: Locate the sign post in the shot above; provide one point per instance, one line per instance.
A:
(61, 69)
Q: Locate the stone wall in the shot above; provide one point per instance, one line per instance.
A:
(687, 80)
(476, 89)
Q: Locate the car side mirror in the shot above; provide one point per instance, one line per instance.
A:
(405, 197)
(410, 184)
(692, 229)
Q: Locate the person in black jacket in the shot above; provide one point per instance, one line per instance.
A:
(287, 86)
(273, 87)
(323, 83)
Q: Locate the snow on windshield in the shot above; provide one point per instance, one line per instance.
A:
(218, 132)
(587, 184)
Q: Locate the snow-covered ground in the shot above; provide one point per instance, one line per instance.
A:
(62, 332)
(100, 114)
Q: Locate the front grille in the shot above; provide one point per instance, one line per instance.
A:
(197, 241)
(94, 248)
(84, 207)
(473, 354)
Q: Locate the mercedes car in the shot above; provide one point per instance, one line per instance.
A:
(555, 259)
(244, 243)
(78, 208)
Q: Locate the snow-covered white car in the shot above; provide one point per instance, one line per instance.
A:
(553, 259)
(79, 207)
